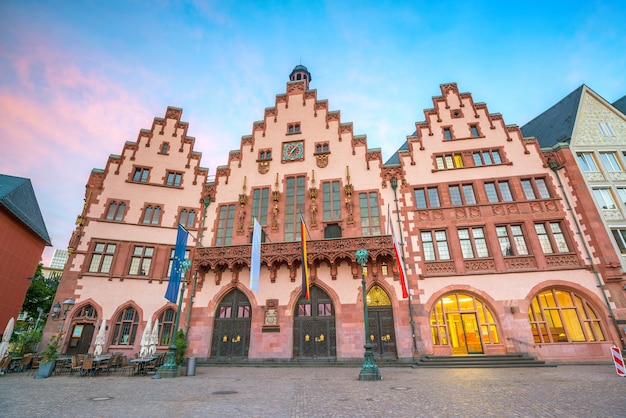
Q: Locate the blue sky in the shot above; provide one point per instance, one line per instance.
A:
(79, 78)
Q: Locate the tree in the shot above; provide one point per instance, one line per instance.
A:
(41, 293)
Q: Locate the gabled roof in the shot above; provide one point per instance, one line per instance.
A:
(620, 104)
(557, 123)
(18, 197)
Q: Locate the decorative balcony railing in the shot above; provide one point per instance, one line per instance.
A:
(333, 251)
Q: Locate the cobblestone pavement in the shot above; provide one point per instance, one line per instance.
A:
(563, 391)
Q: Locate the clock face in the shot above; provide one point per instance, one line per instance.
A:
(293, 151)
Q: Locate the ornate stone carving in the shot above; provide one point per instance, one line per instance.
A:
(321, 160)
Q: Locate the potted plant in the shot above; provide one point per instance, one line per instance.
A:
(49, 356)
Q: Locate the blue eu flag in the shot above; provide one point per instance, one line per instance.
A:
(177, 265)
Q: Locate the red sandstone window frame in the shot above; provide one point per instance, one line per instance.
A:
(427, 197)
(141, 175)
(167, 318)
(293, 128)
(552, 238)
(369, 209)
(265, 155)
(473, 242)
(187, 217)
(497, 192)
(151, 214)
(435, 245)
(321, 148)
(512, 240)
(225, 224)
(102, 256)
(174, 178)
(141, 261)
(116, 210)
(466, 194)
(535, 186)
(125, 327)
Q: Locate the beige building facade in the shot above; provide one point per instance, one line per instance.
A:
(495, 251)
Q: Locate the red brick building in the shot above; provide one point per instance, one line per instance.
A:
(23, 236)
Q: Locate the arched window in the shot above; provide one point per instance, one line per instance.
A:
(86, 312)
(116, 211)
(166, 326)
(558, 316)
(125, 327)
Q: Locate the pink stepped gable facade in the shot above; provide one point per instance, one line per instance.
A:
(501, 253)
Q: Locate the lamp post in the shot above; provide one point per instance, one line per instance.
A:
(68, 304)
(369, 371)
(170, 368)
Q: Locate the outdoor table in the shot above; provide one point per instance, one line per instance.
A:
(141, 363)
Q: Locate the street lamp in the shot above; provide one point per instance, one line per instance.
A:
(170, 368)
(369, 371)
(67, 306)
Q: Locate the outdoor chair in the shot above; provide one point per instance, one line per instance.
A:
(87, 367)
(115, 362)
(127, 367)
(104, 366)
(24, 362)
(151, 367)
(75, 365)
(34, 367)
(5, 363)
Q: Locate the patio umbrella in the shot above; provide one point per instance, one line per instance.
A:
(145, 339)
(154, 338)
(100, 338)
(6, 337)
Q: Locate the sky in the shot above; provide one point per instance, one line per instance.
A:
(80, 78)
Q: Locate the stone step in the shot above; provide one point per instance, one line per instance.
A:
(480, 361)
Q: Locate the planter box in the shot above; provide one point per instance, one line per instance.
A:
(45, 370)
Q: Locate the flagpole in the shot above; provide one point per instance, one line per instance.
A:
(394, 186)
(170, 368)
(192, 295)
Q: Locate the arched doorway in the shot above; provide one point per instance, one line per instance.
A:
(314, 335)
(381, 326)
(463, 322)
(83, 326)
(231, 329)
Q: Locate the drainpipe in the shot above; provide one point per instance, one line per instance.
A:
(394, 186)
(555, 168)
(192, 295)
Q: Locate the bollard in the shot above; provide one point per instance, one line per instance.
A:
(191, 366)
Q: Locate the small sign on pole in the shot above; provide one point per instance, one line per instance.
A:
(619, 361)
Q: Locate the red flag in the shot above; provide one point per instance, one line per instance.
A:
(305, 263)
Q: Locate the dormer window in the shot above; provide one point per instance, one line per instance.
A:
(293, 128)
